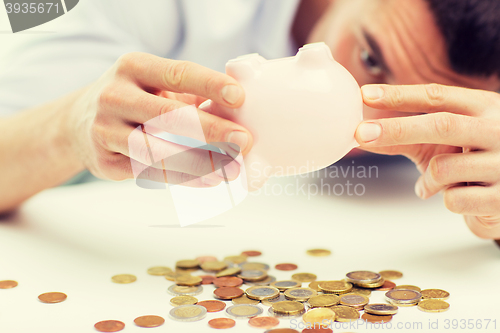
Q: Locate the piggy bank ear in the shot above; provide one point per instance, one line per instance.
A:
(315, 55)
(244, 67)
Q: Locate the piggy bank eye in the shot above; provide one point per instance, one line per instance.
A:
(371, 63)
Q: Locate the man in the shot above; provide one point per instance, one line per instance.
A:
(452, 134)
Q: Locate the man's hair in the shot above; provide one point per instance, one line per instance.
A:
(471, 29)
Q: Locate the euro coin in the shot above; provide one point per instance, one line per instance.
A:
(381, 309)
(391, 275)
(262, 292)
(244, 300)
(286, 267)
(304, 277)
(263, 322)
(388, 285)
(251, 253)
(435, 294)
(254, 265)
(319, 252)
(375, 319)
(315, 285)
(272, 313)
(253, 275)
(207, 279)
(185, 290)
(159, 270)
(8, 284)
(355, 300)
(270, 301)
(288, 307)
(335, 287)
(183, 300)
(188, 313)
(361, 291)
(300, 294)
(345, 313)
(124, 278)
(319, 317)
(221, 323)
(171, 276)
(213, 306)
(213, 266)
(109, 326)
(228, 292)
(52, 297)
(323, 301)
(236, 259)
(371, 285)
(188, 280)
(364, 277)
(403, 296)
(229, 272)
(228, 281)
(187, 264)
(433, 305)
(266, 282)
(286, 284)
(149, 321)
(244, 311)
(407, 287)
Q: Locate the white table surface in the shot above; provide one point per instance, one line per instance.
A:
(73, 239)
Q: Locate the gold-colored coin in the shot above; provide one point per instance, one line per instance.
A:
(171, 276)
(271, 301)
(319, 316)
(323, 301)
(236, 259)
(391, 275)
(361, 291)
(371, 285)
(288, 307)
(355, 300)
(315, 285)
(213, 266)
(408, 287)
(300, 294)
(159, 270)
(254, 265)
(286, 284)
(435, 294)
(188, 280)
(433, 305)
(229, 272)
(183, 300)
(304, 277)
(363, 277)
(319, 252)
(335, 287)
(244, 300)
(187, 264)
(124, 278)
(262, 292)
(345, 313)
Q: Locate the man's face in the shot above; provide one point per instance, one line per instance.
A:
(390, 41)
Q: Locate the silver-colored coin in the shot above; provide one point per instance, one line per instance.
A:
(403, 296)
(300, 294)
(184, 290)
(188, 313)
(282, 315)
(244, 311)
(363, 277)
(381, 309)
(253, 274)
(270, 302)
(286, 284)
(262, 291)
(266, 282)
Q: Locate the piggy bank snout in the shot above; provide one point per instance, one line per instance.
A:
(244, 67)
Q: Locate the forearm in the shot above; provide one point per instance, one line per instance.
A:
(35, 152)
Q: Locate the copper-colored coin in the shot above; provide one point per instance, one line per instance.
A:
(228, 281)
(251, 253)
(228, 292)
(203, 259)
(388, 285)
(221, 323)
(282, 330)
(207, 279)
(263, 322)
(52, 297)
(376, 318)
(213, 306)
(149, 321)
(7, 284)
(286, 267)
(317, 330)
(109, 326)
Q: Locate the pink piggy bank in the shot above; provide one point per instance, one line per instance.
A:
(303, 112)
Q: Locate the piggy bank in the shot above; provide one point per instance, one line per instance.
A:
(303, 112)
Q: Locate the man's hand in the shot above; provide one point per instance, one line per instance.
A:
(454, 141)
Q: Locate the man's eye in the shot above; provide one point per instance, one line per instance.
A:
(371, 63)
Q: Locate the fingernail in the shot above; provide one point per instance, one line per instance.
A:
(369, 132)
(419, 190)
(372, 92)
(231, 93)
(203, 106)
(238, 138)
(231, 170)
(209, 181)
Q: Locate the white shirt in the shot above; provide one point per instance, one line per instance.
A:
(81, 45)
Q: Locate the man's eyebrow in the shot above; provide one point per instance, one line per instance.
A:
(377, 52)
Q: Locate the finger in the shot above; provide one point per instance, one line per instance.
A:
(156, 73)
(438, 128)
(428, 98)
(473, 200)
(484, 227)
(448, 169)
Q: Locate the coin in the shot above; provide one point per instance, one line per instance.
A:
(203, 259)
(228, 281)
(319, 252)
(388, 285)
(304, 277)
(264, 322)
(171, 276)
(7, 284)
(188, 313)
(408, 287)
(244, 300)
(376, 319)
(124, 278)
(266, 282)
(317, 330)
(236, 259)
(244, 311)
(183, 300)
(270, 301)
(109, 326)
(253, 275)
(213, 266)
(371, 285)
(288, 307)
(314, 285)
(323, 300)
(52, 297)
(345, 313)
(381, 309)
(435, 294)
(187, 264)
(272, 313)
(319, 317)
(335, 287)
(391, 275)
(300, 294)
(228, 272)
(361, 291)
(262, 292)
(364, 277)
(213, 306)
(221, 323)
(159, 270)
(286, 284)
(188, 280)
(228, 292)
(184, 290)
(251, 253)
(433, 305)
(254, 265)
(207, 279)
(149, 321)
(286, 267)
(403, 296)
(355, 300)
(282, 330)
